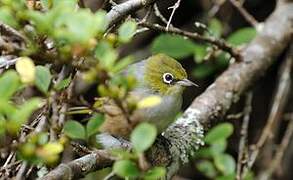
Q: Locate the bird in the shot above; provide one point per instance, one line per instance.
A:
(159, 75)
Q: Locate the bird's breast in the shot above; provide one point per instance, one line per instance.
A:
(163, 114)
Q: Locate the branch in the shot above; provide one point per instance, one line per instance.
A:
(79, 167)
(242, 149)
(120, 11)
(195, 36)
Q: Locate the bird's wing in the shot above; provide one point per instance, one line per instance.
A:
(117, 122)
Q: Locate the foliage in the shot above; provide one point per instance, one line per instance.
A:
(213, 161)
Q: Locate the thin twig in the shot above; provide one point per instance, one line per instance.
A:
(6, 61)
(9, 31)
(279, 153)
(249, 18)
(159, 14)
(122, 10)
(195, 36)
(243, 139)
(174, 8)
(279, 101)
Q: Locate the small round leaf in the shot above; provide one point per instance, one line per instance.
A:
(125, 168)
(143, 136)
(225, 163)
(219, 132)
(74, 130)
(93, 124)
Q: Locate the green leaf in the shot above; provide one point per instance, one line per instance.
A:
(65, 4)
(6, 16)
(74, 130)
(219, 132)
(9, 83)
(218, 147)
(126, 31)
(225, 163)
(20, 116)
(123, 154)
(173, 45)
(207, 168)
(155, 173)
(7, 108)
(242, 36)
(125, 169)
(2, 125)
(200, 51)
(204, 152)
(93, 124)
(43, 78)
(123, 63)
(202, 71)
(101, 20)
(106, 54)
(143, 136)
(215, 26)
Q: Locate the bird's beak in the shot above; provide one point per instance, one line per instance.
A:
(186, 82)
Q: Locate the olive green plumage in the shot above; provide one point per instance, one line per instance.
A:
(156, 67)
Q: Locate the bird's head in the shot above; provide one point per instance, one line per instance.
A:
(165, 75)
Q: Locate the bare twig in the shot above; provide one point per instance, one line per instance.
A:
(216, 7)
(195, 36)
(7, 61)
(249, 18)
(159, 14)
(279, 153)
(9, 31)
(243, 139)
(81, 166)
(118, 12)
(21, 172)
(174, 8)
(279, 101)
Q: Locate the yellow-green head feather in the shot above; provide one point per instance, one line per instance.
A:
(158, 65)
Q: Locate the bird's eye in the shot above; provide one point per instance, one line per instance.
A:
(168, 78)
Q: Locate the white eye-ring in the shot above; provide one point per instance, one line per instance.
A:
(168, 78)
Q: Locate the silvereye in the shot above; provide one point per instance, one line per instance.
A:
(158, 75)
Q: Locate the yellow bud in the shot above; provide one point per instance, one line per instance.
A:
(26, 70)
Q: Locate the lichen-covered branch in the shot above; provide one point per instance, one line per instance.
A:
(261, 53)
(118, 12)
